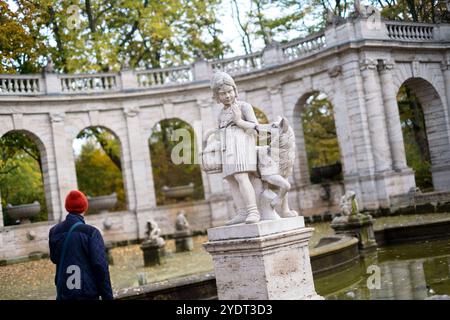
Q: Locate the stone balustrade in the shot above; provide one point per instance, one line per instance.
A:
(20, 84)
(299, 47)
(166, 76)
(87, 83)
(409, 31)
(240, 64)
(274, 54)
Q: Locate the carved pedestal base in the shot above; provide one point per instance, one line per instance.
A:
(359, 226)
(265, 260)
(183, 241)
(153, 254)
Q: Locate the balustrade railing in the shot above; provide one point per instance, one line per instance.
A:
(20, 84)
(409, 31)
(141, 79)
(167, 76)
(102, 82)
(297, 48)
(240, 64)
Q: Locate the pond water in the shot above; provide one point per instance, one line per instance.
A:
(399, 272)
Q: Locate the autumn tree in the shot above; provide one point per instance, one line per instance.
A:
(92, 36)
(322, 147)
(430, 11)
(97, 172)
(415, 137)
(21, 173)
(165, 171)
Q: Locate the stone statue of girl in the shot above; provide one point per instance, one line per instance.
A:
(237, 131)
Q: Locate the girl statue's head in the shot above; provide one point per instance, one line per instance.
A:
(219, 80)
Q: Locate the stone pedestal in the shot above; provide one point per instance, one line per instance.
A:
(109, 256)
(153, 253)
(358, 225)
(265, 260)
(183, 241)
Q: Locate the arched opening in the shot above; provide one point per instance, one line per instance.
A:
(22, 180)
(99, 169)
(320, 141)
(425, 133)
(176, 175)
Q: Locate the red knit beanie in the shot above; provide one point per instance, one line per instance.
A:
(76, 202)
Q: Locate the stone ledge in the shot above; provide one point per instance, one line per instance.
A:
(255, 230)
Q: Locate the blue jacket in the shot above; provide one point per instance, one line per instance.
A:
(85, 250)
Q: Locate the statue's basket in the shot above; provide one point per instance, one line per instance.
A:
(211, 156)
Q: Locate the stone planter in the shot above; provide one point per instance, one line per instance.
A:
(179, 192)
(102, 203)
(23, 212)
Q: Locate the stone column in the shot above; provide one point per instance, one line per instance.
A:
(276, 100)
(142, 176)
(141, 194)
(392, 116)
(446, 72)
(351, 85)
(375, 116)
(1, 211)
(264, 261)
(60, 178)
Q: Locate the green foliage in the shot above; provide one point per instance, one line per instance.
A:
(93, 36)
(414, 10)
(415, 137)
(20, 174)
(165, 172)
(97, 173)
(319, 129)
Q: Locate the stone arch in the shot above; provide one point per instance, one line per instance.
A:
(162, 180)
(45, 172)
(119, 162)
(436, 127)
(303, 174)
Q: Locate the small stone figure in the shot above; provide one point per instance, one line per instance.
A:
(153, 246)
(353, 223)
(183, 235)
(349, 205)
(153, 234)
(181, 223)
(50, 67)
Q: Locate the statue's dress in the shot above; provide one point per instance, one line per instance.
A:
(238, 145)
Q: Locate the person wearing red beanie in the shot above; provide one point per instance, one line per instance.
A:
(79, 252)
(76, 202)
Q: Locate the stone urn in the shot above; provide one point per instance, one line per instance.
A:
(23, 212)
(179, 192)
(102, 203)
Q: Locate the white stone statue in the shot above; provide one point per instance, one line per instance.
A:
(248, 169)
(154, 234)
(348, 204)
(237, 132)
(181, 223)
(276, 161)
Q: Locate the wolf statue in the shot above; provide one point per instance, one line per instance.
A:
(275, 164)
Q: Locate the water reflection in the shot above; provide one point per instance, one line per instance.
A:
(406, 272)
